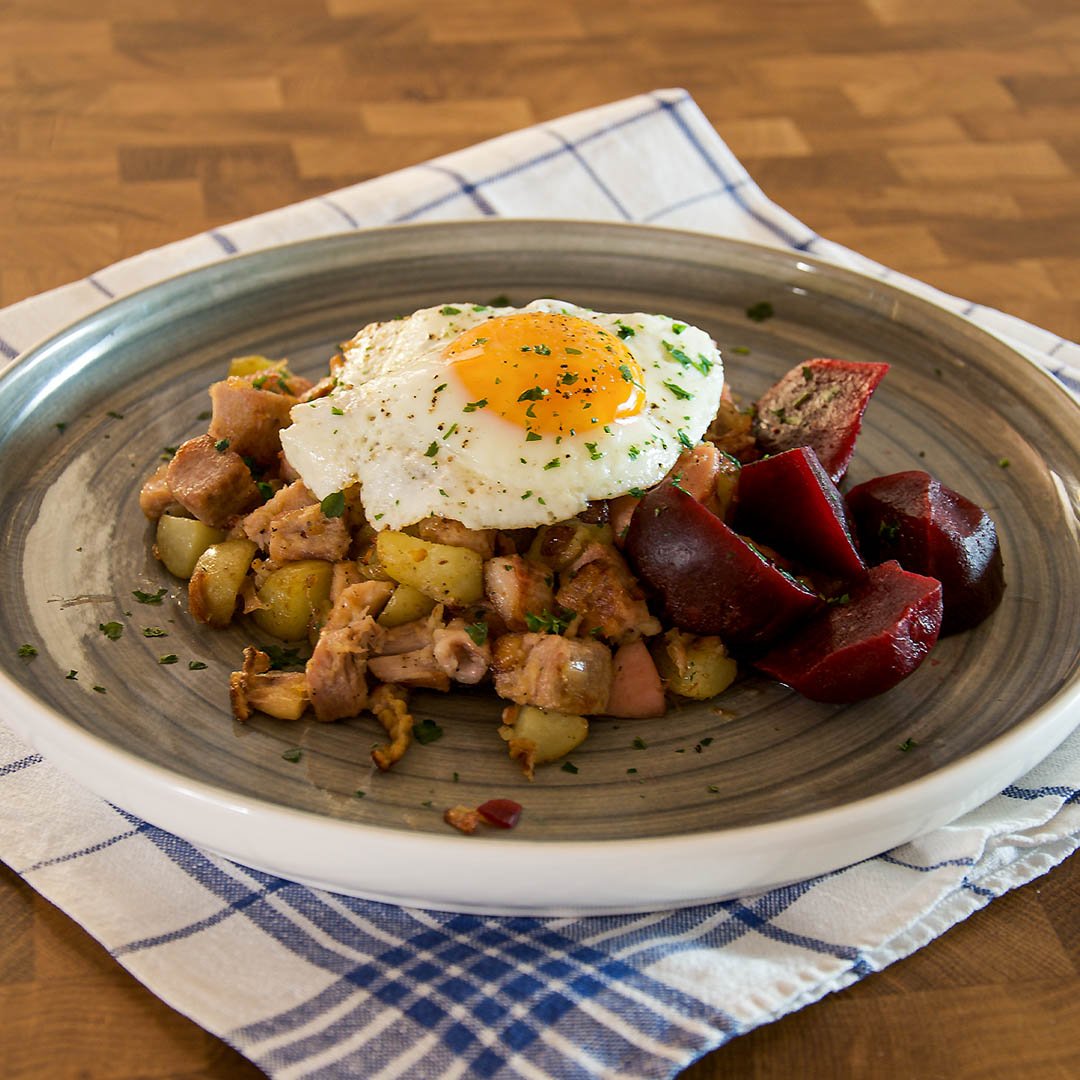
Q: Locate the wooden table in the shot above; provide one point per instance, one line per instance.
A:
(942, 138)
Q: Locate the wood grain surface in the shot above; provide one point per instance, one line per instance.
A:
(941, 137)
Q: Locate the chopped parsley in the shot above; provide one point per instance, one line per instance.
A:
(554, 463)
(542, 350)
(678, 391)
(293, 755)
(112, 630)
(221, 445)
(72, 674)
(265, 490)
(685, 439)
(532, 436)
(478, 631)
(546, 623)
(594, 454)
(336, 411)
(283, 657)
(432, 450)
(168, 658)
(427, 731)
(446, 309)
(472, 406)
(639, 743)
(907, 745)
(196, 665)
(536, 393)
(760, 311)
(149, 598)
(153, 631)
(625, 331)
(570, 767)
(333, 506)
(28, 651)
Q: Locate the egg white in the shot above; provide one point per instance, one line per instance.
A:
(402, 427)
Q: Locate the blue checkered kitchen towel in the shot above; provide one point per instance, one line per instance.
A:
(307, 983)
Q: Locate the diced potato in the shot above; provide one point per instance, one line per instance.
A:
(539, 736)
(217, 579)
(693, 667)
(250, 365)
(181, 541)
(293, 598)
(405, 605)
(557, 546)
(449, 575)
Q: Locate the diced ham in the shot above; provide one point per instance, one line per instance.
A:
(256, 525)
(336, 672)
(636, 687)
(601, 590)
(308, 533)
(552, 672)
(447, 531)
(417, 668)
(282, 694)
(390, 704)
(251, 419)
(410, 636)
(211, 481)
(517, 587)
(358, 600)
(155, 497)
(459, 655)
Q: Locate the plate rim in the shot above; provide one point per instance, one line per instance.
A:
(1058, 714)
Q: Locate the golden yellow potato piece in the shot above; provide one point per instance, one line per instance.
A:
(293, 598)
(217, 579)
(448, 575)
(406, 604)
(180, 541)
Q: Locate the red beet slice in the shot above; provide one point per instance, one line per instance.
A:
(866, 646)
(503, 813)
(788, 502)
(931, 529)
(709, 579)
(819, 404)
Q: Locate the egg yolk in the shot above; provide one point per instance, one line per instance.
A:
(549, 374)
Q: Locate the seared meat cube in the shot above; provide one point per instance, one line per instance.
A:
(256, 525)
(155, 497)
(308, 533)
(601, 590)
(336, 672)
(211, 481)
(251, 419)
(447, 531)
(517, 587)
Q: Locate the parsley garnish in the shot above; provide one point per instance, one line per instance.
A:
(446, 309)
(432, 450)
(427, 731)
(221, 445)
(149, 598)
(112, 630)
(531, 436)
(72, 674)
(907, 745)
(625, 331)
(546, 623)
(685, 439)
(569, 766)
(760, 311)
(478, 631)
(336, 411)
(27, 650)
(542, 350)
(594, 454)
(293, 755)
(639, 743)
(265, 490)
(168, 658)
(472, 406)
(333, 506)
(283, 657)
(537, 393)
(196, 665)
(678, 391)
(554, 463)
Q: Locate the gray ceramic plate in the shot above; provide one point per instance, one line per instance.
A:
(748, 791)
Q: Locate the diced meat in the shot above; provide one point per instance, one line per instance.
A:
(459, 655)
(155, 497)
(308, 533)
(251, 419)
(553, 672)
(601, 590)
(708, 474)
(213, 484)
(417, 668)
(390, 704)
(621, 510)
(256, 525)
(319, 389)
(410, 636)
(636, 687)
(336, 672)
(517, 587)
(447, 531)
(282, 694)
(355, 601)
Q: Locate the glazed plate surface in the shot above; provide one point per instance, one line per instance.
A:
(753, 790)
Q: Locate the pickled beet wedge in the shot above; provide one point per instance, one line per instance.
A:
(866, 646)
(788, 502)
(708, 578)
(931, 529)
(818, 404)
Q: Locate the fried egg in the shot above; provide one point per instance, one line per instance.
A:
(506, 417)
